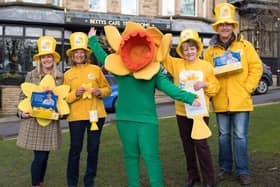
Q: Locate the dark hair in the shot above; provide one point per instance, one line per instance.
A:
(192, 43)
(11, 57)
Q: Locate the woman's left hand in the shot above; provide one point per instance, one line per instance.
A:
(198, 85)
(96, 92)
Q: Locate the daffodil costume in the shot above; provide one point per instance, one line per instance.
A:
(136, 66)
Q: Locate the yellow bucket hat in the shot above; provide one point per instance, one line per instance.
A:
(78, 40)
(224, 14)
(189, 34)
(46, 45)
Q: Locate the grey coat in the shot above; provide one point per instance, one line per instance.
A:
(31, 135)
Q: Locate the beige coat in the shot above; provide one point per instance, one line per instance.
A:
(31, 135)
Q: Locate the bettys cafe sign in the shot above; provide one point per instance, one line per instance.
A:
(118, 23)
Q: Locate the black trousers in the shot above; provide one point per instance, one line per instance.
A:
(77, 131)
(197, 152)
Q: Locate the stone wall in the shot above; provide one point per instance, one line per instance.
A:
(9, 99)
(76, 5)
(148, 7)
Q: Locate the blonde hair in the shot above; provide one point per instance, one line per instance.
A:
(73, 63)
(40, 69)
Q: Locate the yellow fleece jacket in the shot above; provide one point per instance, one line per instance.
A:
(179, 67)
(84, 74)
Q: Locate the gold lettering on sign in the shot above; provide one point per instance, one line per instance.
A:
(114, 22)
(97, 21)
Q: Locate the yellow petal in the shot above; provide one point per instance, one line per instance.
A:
(27, 88)
(114, 64)
(47, 83)
(113, 36)
(200, 129)
(62, 107)
(87, 93)
(43, 122)
(156, 34)
(93, 126)
(132, 26)
(147, 72)
(25, 105)
(62, 91)
(164, 47)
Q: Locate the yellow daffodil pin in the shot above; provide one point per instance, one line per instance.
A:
(87, 93)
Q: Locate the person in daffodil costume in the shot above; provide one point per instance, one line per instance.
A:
(136, 66)
(233, 103)
(191, 73)
(88, 86)
(40, 135)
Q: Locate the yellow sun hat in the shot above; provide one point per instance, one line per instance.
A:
(224, 14)
(189, 34)
(46, 45)
(78, 40)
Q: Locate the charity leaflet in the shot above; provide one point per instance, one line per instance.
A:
(44, 105)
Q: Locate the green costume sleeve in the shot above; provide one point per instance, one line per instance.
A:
(172, 90)
(98, 51)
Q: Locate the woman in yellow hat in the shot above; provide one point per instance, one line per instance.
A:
(33, 136)
(88, 86)
(191, 73)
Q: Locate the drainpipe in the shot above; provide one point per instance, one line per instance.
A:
(278, 61)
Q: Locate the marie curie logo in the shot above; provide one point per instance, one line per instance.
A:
(225, 12)
(46, 45)
(79, 41)
(187, 34)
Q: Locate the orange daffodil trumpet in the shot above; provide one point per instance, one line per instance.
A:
(139, 51)
(46, 84)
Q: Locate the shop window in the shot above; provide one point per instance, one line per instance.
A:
(1, 55)
(13, 31)
(57, 2)
(36, 1)
(187, 8)
(168, 7)
(54, 33)
(17, 61)
(129, 7)
(97, 5)
(33, 32)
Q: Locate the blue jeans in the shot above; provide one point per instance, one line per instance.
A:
(39, 167)
(238, 122)
(77, 131)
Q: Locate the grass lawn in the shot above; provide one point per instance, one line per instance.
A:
(264, 150)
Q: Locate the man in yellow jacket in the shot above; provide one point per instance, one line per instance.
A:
(233, 102)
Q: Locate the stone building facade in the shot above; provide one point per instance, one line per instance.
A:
(23, 21)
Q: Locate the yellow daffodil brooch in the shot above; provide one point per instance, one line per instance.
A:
(45, 101)
(139, 51)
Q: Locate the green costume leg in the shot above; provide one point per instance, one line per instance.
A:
(128, 135)
(141, 136)
(148, 140)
